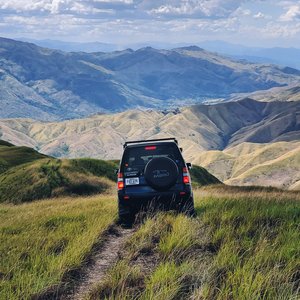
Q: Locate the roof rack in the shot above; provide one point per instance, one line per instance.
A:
(146, 141)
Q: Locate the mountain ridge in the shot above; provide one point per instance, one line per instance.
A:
(48, 84)
(207, 127)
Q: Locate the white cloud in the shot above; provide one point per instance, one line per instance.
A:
(259, 15)
(293, 13)
(146, 20)
(273, 30)
(195, 8)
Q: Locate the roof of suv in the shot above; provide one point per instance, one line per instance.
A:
(146, 142)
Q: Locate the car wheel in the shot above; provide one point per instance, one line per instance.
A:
(188, 207)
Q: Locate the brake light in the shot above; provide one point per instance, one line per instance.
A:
(120, 181)
(150, 148)
(185, 174)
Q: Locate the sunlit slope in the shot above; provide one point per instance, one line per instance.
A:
(198, 128)
(45, 178)
(275, 164)
(290, 93)
(222, 129)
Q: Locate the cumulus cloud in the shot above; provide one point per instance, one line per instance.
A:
(139, 8)
(293, 13)
(195, 8)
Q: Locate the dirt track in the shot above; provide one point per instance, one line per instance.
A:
(102, 261)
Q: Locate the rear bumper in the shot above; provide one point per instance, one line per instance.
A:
(135, 200)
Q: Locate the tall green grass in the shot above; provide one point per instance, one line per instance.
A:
(244, 244)
(41, 241)
(256, 236)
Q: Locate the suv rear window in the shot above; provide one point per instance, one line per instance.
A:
(136, 158)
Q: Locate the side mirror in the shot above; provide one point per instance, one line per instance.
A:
(189, 165)
(181, 149)
(116, 171)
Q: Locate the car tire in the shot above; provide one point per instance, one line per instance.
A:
(126, 220)
(188, 207)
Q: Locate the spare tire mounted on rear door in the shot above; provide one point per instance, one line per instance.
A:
(161, 173)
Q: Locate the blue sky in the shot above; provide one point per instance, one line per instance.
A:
(249, 22)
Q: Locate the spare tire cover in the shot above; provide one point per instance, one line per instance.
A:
(161, 173)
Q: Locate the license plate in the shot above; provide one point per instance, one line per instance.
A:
(132, 181)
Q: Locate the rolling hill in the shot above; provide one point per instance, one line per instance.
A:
(282, 94)
(49, 84)
(274, 164)
(27, 175)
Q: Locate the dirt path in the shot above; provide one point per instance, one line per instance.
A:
(102, 261)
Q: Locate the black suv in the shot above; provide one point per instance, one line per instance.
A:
(153, 173)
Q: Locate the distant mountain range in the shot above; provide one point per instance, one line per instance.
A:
(285, 56)
(49, 84)
(229, 139)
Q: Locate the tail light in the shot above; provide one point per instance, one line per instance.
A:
(186, 177)
(120, 181)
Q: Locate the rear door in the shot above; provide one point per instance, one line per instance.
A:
(135, 159)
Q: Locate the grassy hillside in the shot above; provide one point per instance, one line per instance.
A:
(201, 177)
(11, 155)
(198, 128)
(27, 175)
(242, 245)
(45, 178)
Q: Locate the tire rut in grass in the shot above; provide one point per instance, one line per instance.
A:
(107, 255)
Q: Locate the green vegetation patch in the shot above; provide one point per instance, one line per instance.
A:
(27, 175)
(41, 241)
(96, 167)
(201, 177)
(45, 178)
(11, 156)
